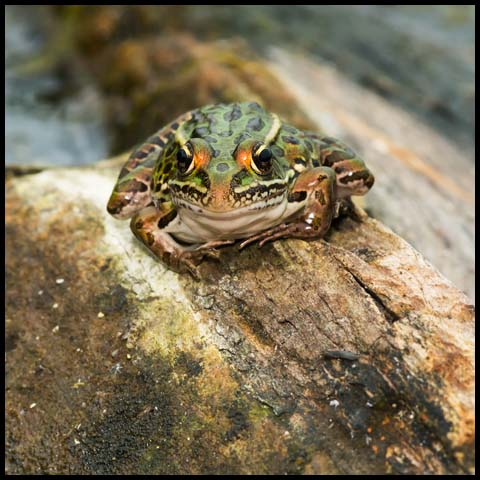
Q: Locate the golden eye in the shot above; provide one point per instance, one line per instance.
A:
(262, 160)
(185, 161)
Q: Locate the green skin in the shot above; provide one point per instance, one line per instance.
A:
(221, 188)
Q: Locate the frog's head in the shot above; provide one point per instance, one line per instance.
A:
(222, 176)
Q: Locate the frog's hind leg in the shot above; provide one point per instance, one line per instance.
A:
(149, 226)
(353, 176)
(132, 191)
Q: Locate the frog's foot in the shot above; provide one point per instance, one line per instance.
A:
(187, 261)
(147, 226)
(191, 258)
(299, 230)
(209, 249)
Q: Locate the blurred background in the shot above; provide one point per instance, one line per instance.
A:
(84, 83)
(61, 90)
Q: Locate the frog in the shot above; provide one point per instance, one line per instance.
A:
(233, 172)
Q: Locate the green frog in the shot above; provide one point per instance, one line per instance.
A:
(226, 172)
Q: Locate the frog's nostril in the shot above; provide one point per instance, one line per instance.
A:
(222, 167)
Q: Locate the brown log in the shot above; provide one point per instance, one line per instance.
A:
(345, 355)
(349, 355)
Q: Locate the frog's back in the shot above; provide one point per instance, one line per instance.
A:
(229, 124)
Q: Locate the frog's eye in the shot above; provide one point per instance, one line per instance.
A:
(185, 161)
(262, 160)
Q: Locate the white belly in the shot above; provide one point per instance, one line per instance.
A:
(204, 226)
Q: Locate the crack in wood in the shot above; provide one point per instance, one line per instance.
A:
(388, 313)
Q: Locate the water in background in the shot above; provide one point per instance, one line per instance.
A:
(421, 57)
(44, 124)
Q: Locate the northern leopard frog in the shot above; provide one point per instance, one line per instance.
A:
(232, 171)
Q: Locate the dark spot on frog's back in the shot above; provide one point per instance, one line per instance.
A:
(290, 129)
(234, 114)
(197, 116)
(256, 124)
(210, 139)
(141, 154)
(334, 157)
(243, 136)
(166, 168)
(200, 132)
(254, 106)
(123, 172)
(289, 139)
(157, 141)
(170, 150)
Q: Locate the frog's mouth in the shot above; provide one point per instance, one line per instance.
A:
(258, 196)
(229, 211)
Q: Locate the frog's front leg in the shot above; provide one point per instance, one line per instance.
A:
(317, 186)
(149, 226)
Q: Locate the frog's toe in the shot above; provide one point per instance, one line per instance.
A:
(249, 240)
(189, 263)
(214, 244)
(193, 271)
(265, 236)
(284, 231)
(213, 254)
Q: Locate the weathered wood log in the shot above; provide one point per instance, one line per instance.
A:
(424, 187)
(346, 355)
